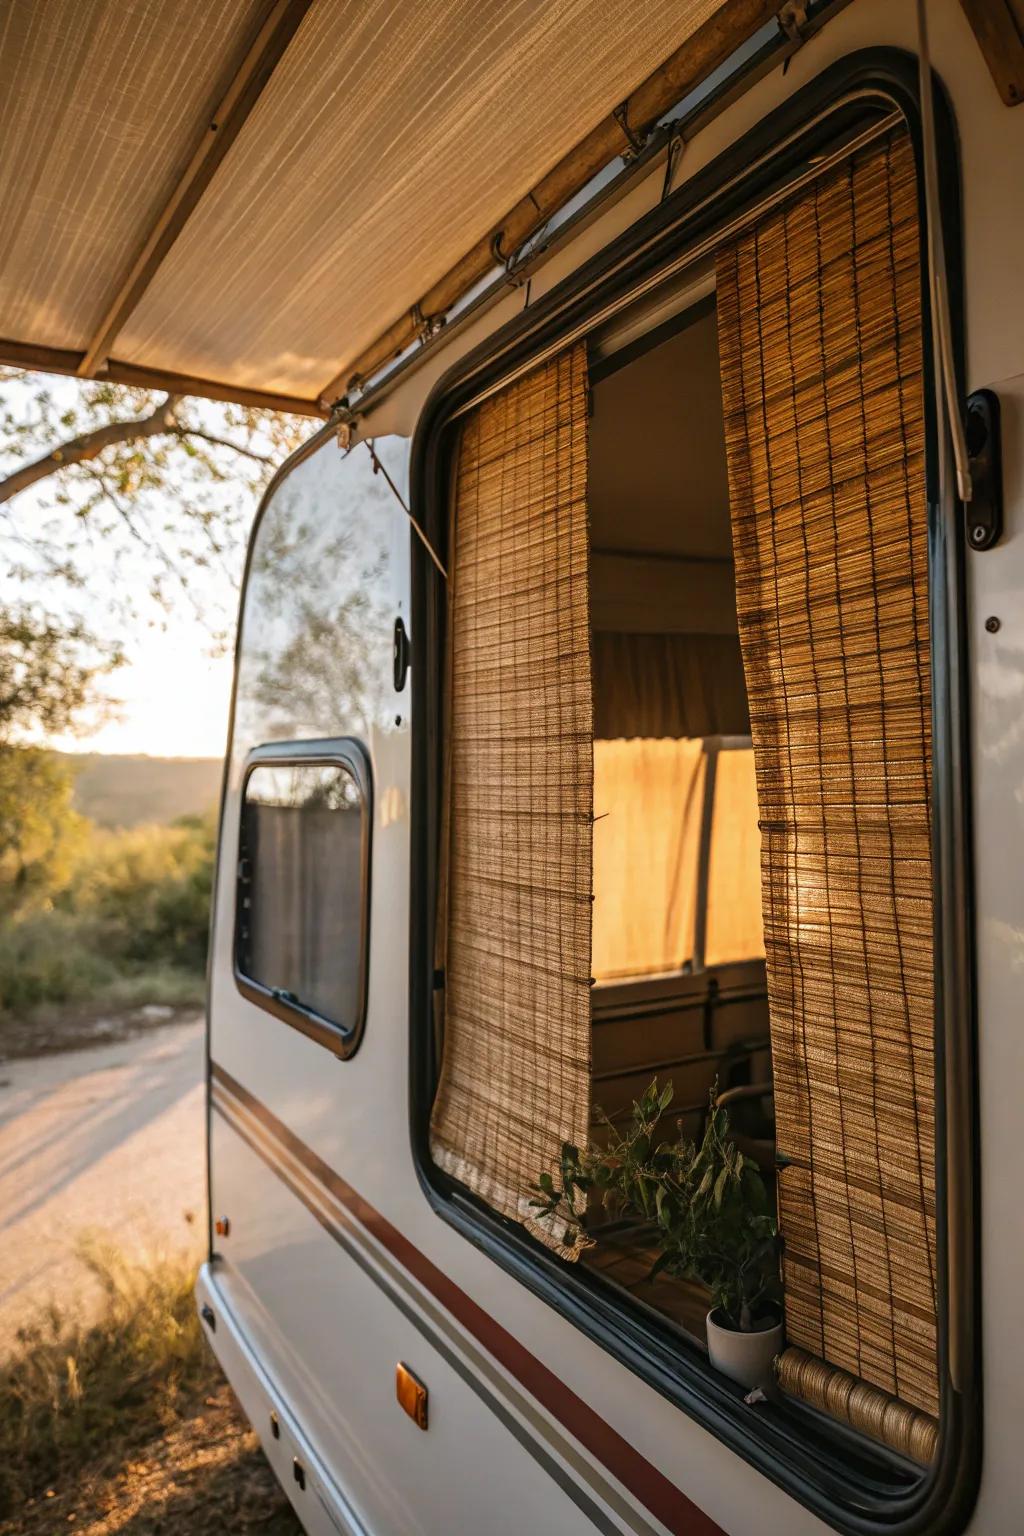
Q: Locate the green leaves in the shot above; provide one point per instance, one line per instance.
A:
(707, 1202)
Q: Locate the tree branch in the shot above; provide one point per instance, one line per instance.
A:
(80, 449)
(224, 442)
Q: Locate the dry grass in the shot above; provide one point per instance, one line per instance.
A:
(125, 1424)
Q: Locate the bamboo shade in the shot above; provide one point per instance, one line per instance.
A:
(868, 1409)
(515, 1075)
(821, 350)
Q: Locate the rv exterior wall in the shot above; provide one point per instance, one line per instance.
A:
(324, 1285)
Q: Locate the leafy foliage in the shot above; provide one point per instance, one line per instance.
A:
(126, 470)
(706, 1201)
(127, 921)
(48, 670)
(121, 504)
(40, 834)
(146, 890)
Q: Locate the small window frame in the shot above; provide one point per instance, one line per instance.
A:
(333, 752)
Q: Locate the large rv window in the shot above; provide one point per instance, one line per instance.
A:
(688, 782)
(302, 874)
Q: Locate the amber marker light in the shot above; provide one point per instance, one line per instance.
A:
(411, 1394)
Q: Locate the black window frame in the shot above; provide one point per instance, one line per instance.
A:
(855, 1486)
(344, 752)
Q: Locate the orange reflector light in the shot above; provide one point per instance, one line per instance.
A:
(412, 1394)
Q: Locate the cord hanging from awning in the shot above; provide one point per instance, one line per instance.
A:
(378, 468)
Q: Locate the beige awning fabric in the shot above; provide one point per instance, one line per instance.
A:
(243, 196)
(819, 323)
(515, 1071)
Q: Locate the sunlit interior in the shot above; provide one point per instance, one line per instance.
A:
(678, 947)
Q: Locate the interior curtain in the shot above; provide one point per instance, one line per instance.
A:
(515, 1074)
(668, 685)
(648, 807)
(734, 929)
(820, 331)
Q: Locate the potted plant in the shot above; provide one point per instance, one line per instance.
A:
(710, 1210)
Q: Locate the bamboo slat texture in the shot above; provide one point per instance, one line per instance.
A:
(515, 1076)
(821, 347)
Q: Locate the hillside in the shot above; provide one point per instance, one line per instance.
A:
(123, 791)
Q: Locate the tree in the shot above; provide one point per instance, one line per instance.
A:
(169, 475)
(146, 495)
(46, 672)
(40, 833)
(114, 503)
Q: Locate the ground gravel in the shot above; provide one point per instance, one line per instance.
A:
(203, 1476)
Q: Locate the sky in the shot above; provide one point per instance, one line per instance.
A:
(171, 697)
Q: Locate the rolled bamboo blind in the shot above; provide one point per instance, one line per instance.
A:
(515, 1075)
(819, 316)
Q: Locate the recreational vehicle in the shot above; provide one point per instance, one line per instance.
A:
(615, 1042)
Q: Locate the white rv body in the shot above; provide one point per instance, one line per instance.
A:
(335, 1265)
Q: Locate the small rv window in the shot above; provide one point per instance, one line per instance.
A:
(301, 941)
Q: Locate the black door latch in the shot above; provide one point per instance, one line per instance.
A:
(984, 511)
(400, 655)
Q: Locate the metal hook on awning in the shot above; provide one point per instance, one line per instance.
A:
(635, 142)
(378, 468)
(676, 145)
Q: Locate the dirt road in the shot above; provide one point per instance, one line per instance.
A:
(108, 1139)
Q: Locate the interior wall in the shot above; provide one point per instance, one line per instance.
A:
(666, 656)
(657, 451)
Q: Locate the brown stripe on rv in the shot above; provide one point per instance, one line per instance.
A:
(643, 1480)
(578, 1477)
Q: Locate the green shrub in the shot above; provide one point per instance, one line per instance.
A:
(41, 836)
(128, 924)
(49, 958)
(147, 892)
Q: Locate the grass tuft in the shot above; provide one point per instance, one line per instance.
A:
(77, 1396)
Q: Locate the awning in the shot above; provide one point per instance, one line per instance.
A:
(239, 199)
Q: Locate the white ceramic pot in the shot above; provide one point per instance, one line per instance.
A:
(745, 1357)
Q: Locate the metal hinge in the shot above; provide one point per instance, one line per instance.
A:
(792, 19)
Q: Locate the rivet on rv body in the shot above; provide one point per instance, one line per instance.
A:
(299, 1472)
(275, 1426)
(222, 1226)
(992, 625)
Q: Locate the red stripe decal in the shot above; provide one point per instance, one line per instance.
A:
(664, 1500)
